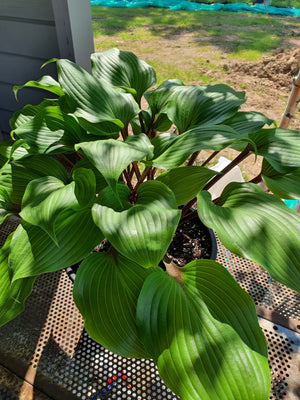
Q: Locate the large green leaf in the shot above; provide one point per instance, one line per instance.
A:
(143, 232)
(280, 147)
(247, 121)
(190, 106)
(28, 112)
(106, 290)
(86, 163)
(45, 82)
(51, 132)
(286, 185)
(12, 295)
(45, 198)
(15, 176)
(186, 182)
(98, 106)
(257, 226)
(111, 157)
(33, 252)
(202, 331)
(157, 99)
(177, 150)
(123, 69)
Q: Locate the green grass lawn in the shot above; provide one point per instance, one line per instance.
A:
(162, 36)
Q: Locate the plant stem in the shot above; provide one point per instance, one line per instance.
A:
(142, 178)
(244, 154)
(136, 169)
(257, 179)
(65, 160)
(193, 158)
(142, 122)
(213, 155)
(128, 180)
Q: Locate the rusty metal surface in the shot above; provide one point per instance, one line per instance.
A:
(47, 346)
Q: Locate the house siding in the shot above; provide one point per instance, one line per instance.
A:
(32, 32)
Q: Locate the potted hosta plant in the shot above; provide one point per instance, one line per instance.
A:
(111, 157)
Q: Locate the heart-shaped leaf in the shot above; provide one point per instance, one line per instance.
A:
(186, 182)
(191, 106)
(51, 132)
(12, 295)
(201, 329)
(247, 122)
(111, 157)
(15, 176)
(28, 112)
(98, 106)
(86, 163)
(106, 289)
(33, 252)
(143, 232)
(257, 226)
(45, 198)
(285, 186)
(280, 147)
(158, 98)
(215, 137)
(123, 69)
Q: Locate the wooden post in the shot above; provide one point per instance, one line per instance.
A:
(291, 106)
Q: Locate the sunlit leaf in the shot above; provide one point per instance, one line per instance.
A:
(202, 331)
(257, 226)
(143, 232)
(123, 69)
(106, 290)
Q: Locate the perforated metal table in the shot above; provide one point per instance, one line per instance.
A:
(46, 354)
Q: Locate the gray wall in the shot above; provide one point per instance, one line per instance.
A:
(32, 32)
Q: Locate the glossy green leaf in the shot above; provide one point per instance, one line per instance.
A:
(157, 99)
(15, 176)
(86, 163)
(191, 106)
(123, 69)
(203, 334)
(12, 296)
(51, 132)
(107, 197)
(45, 82)
(285, 186)
(111, 157)
(280, 147)
(245, 122)
(143, 232)
(186, 182)
(215, 137)
(106, 289)
(257, 226)
(33, 252)
(98, 106)
(6, 206)
(28, 112)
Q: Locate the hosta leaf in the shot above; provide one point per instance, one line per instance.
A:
(45, 198)
(215, 137)
(257, 226)
(86, 163)
(12, 296)
(158, 98)
(143, 232)
(33, 252)
(6, 206)
(15, 176)
(280, 147)
(203, 334)
(162, 142)
(286, 186)
(45, 82)
(190, 106)
(28, 112)
(111, 157)
(98, 106)
(247, 122)
(107, 197)
(51, 132)
(106, 289)
(123, 69)
(186, 182)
